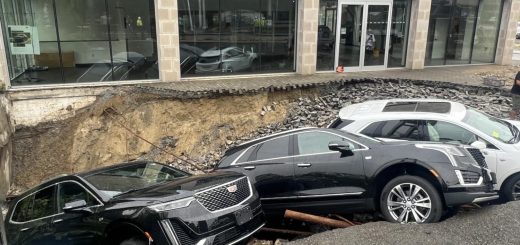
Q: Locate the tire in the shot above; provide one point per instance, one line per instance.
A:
(428, 209)
(134, 241)
(510, 187)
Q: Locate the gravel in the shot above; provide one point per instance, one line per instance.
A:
(499, 224)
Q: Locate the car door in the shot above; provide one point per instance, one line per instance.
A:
(31, 220)
(440, 131)
(74, 227)
(269, 166)
(321, 172)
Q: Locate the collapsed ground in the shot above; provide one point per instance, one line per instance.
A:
(118, 125)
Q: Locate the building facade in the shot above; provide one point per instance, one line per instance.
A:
(64, 43)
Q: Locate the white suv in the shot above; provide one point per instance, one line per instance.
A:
(442, 121)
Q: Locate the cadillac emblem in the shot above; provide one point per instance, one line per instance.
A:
(232, 189)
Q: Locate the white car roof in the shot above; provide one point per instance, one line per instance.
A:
(374, 110)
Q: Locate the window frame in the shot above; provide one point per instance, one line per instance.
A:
(297, 148)
(488, 143)
(55, 185)
(58, 188)
(423, 123)
(32, 195)
(292, 150)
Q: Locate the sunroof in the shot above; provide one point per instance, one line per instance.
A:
(415, 106)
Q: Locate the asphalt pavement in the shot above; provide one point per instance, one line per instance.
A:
(495, 224)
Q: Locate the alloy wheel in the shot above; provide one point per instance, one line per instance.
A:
(516, 191)
(408, 203)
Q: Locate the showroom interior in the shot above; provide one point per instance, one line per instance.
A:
(73, 42)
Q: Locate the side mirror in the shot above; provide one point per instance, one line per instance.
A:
(479, 145)
(340, 146)
(78, 206)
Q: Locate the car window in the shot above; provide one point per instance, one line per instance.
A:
(116, 181)
(233, 53)
(70, 192)
(44, 203)
(23, 209)
(395, 129)
(246, 155)
(318, 142)
(446, 132)
(272, 149)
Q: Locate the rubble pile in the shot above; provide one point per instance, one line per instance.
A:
(321, 110)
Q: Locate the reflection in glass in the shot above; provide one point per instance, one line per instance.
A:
(399, 33)
(486, 35)
(236, 36)
(82, 41)
(327, 35)
(460, 37)
(350, 35)
(375, 41)
(438, 32)
(463, 32)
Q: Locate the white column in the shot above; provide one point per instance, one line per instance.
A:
(507, 35)
(168, 40)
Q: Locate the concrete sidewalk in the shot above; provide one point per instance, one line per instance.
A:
(466, 75)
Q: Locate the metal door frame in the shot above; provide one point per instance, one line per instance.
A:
(364, 24)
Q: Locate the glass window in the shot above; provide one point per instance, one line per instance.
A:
(73, 41)
(447, 132)
(399, 33)
(70, 192)
(119, 180)
(327, 35)
(396, 129)
(273, 149)
(463, 31)
(211, 32)
(486, 36)
(44, 203)
(318, 142)
(491, 126)
(23, 209)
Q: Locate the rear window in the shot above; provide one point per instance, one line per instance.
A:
(414, 106)
(339, 123)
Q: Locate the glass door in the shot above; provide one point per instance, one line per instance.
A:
(363, 38)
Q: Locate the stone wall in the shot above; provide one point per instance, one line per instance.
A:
(6, 131)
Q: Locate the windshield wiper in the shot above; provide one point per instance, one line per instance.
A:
(515, 132)
(125, 192)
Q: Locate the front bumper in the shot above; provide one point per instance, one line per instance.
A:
(457, 196)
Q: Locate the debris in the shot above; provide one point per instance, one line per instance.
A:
(285, 231)
(316, 219)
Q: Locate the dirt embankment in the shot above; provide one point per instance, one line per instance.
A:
(94, 137)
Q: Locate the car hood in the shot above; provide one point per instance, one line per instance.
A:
(211, 53)
(178, 189)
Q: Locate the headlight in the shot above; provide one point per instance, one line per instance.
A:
(172, 205)
(449, 150)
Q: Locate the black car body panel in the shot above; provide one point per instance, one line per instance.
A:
(212, 214)
(331, 181)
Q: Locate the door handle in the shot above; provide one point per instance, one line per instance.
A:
(304, 165)
(24, 229)
(249, 167)
(57, 221)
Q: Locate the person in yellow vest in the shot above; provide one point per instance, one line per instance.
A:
(139, 22)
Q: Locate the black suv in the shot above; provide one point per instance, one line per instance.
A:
(330, 171)
(136, 203)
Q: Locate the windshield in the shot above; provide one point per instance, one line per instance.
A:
(494, 127)
(116, 181)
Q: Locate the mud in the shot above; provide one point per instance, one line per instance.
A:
(94, 137)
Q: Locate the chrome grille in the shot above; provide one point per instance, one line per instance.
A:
(226, 195)
(470, 177)
(478, 156)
